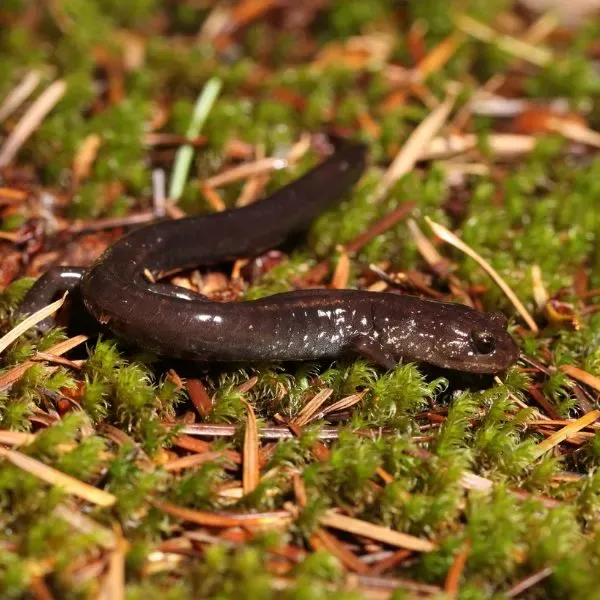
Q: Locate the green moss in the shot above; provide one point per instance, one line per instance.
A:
(135, 13)
(558, 388)
(571, 77)
(12, 222)
(130, 484)
(400, 394)
(497, 439)
(13, 294)
(279, 279)
(402, 451)
(197, 489)
(348, 18)
(14, 578)
(555, 229)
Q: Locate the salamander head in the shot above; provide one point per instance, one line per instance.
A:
(489, 347)
(452, 336)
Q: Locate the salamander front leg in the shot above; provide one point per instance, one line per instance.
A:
(374, 351)
(52, 283)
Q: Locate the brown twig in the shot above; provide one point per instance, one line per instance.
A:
(454, 574)
(319, 271)
(529, 582)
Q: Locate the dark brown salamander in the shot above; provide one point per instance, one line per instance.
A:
(300, 325)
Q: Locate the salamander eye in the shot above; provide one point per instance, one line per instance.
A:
(484, 342)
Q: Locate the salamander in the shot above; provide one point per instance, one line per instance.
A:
(292, 326)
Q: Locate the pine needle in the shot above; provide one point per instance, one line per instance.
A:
(521, 49)
(13, 375)
(450, 238)
(245, 387)
(258, 167)
(50, 475)
(190, 461)
(339, 281)
(342, 404)
(113, 587)
(438, 56)
(312, 406)
(471, 481)
(19, 94)
(427, 250)
(30, 322)
(15, 438)
(562, 434)
(376, 532)
(575, 132)
(31, 120)
(498, 144)
(85, 524)
(212, 197)
(582, 376)
(224, 520)
(199, 397)
(251, 467)
(323, 539)
(529, 582)
(540, 295)
(85, 156)
(414, 146)
(452, 586)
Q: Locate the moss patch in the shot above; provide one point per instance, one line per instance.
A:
(437, 456)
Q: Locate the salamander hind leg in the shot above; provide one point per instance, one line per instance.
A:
(374, 351)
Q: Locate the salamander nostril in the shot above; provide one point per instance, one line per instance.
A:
(484, 342)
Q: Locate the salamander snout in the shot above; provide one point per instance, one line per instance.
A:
(492, 348)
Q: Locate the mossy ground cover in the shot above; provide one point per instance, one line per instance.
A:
(123, 475)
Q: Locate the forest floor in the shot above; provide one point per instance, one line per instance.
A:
(126, 475)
